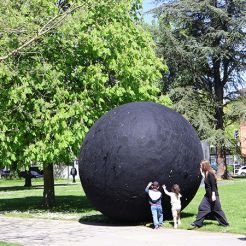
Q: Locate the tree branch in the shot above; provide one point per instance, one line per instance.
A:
(51, 24)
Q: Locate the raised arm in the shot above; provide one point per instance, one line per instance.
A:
(166, 191)
(147, 187)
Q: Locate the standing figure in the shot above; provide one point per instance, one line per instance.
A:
(73, 172)
(210, 204)
(175, 202)
(155, 203)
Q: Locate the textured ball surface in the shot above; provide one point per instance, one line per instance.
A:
(132, 145)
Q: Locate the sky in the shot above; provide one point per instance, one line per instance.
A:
(147, 5)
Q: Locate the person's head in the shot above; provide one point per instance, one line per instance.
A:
(155, 185)
(175, 189)
(205, 166)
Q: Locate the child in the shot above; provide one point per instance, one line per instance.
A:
(175, 202)
(155, 203)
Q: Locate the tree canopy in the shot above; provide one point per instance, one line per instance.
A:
(53, 90)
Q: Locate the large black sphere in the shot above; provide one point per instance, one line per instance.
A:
(132, 145)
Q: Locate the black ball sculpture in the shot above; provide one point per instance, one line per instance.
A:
(132, 145)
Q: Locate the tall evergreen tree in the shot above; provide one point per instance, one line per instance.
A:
(203, 43)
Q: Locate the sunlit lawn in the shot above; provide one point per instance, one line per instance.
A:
(16, 200)
(8, 244)
(233, 198)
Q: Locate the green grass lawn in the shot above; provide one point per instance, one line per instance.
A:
(8, 244)
(72, 204)
(233, 197)
(16, 200)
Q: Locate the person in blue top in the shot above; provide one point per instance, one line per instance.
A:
(155, 203)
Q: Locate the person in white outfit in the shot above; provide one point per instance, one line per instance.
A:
(175, 202)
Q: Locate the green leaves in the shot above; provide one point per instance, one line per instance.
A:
(58, 85)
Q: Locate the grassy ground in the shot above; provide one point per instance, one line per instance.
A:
(16, 200)
(8, 244)
(232, 196)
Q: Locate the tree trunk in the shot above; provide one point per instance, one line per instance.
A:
(219, 116)
(49, 190)
(28, 179)
(220, 162)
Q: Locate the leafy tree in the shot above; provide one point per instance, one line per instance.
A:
(61, 68)
(203, 43)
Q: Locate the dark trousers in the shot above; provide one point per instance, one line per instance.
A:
(210, 209)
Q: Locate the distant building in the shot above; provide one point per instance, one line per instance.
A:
(63, 171)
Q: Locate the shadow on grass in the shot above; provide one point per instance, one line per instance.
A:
(64, 204)
(187, 215)
(18, 188)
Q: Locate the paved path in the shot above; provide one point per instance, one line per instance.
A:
(56, 232)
